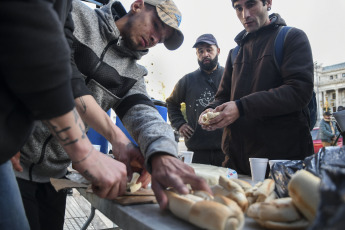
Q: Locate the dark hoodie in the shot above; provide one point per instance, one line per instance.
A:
(35, 69)
(273, 124)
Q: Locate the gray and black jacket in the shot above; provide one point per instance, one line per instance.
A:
(116, 81)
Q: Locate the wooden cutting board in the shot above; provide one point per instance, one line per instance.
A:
(142, 196)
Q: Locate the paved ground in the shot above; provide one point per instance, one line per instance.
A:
(78, 209)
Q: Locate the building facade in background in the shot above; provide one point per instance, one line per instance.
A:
(329, 87)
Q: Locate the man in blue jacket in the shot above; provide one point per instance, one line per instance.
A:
(328, 130)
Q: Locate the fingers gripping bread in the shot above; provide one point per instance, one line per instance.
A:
(208, 214)
(304, 191)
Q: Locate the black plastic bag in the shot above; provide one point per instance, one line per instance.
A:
(281, 173)
(331, 210)
(330, 156)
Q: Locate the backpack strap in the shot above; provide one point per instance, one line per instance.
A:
(279, 45)
(234, 54)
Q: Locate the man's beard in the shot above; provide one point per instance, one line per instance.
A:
(209, 66)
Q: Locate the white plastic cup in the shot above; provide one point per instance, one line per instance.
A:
(272, 162)
(187, 156)
(258, 168)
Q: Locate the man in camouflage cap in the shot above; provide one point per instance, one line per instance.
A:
(107, 42)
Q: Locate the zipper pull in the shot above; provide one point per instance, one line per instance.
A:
(119, 41)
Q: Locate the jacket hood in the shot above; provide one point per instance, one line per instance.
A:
(108, 14)
(276, 21)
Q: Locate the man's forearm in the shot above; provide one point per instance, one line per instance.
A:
(69, 130)
(98, 119)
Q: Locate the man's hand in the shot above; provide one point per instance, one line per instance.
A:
(16, 162)
(186, 131)
(168, 171)
(131, 156)
(108, 176)
(228, 114)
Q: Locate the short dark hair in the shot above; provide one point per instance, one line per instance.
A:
(233, 1)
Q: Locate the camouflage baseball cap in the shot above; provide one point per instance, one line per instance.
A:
(171, 16)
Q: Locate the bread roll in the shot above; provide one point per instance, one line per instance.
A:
(304, 191)
(180, 206)
(207, 214)
(205, 119)
(233, 191)
(295, 225)
(212, 215)
(261, 192)
(279, 210)
(244, 184)
(132, 186)
(233, 206)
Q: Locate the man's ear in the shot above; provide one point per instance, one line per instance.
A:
(137, 6)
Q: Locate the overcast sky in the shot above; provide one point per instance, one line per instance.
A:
(323, 21)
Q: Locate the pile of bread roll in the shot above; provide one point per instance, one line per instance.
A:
(233, 198)
(295, 212)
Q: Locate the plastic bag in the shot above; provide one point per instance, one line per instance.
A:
(331, 210)
(281, 173)
(330, 156)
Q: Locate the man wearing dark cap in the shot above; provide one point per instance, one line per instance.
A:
(262, 101)
(197, 90)
(328, 130)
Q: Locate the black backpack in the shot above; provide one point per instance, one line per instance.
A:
(311, 110)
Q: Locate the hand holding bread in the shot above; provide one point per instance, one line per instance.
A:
(206, 117)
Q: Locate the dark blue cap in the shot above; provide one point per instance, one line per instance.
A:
(206, 38)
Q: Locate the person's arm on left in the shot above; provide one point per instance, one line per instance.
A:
(123, 149)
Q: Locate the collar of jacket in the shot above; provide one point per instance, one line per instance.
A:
(276, 21)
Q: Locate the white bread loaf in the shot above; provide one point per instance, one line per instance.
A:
(244, 184)
(278, 210)
(260, 192)
(208, 214)
(304, 191)
(295, 225)
(233, 191)
(278, 214)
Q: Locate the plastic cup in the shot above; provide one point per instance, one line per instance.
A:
(272, 162)
(258, 168)
(187, 156)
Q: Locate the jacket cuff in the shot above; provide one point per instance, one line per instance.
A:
(240, 107)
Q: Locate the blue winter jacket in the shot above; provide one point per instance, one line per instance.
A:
(326, 134)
